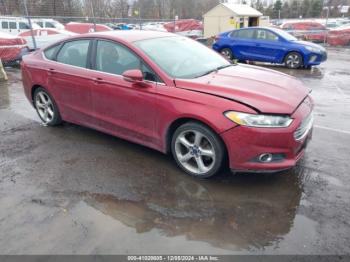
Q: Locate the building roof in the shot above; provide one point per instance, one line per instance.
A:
(242, 10)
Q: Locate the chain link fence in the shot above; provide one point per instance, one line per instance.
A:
(26, 25)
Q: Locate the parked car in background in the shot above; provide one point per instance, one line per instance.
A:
(118, 26)
(186, 27)
(339, 36)
(48, 23)
(269, 45)
(154, 26)
(306, 30)
(83, 28)
(186, 99)
(12, 48)
(45, 36)
(15, 25)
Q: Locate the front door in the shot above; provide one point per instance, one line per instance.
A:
(122, 108)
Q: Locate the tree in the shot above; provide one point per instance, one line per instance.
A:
(305, 8)
(294, 9)
(316, 8)
(277, 7)
(285, 12)
(259, 6)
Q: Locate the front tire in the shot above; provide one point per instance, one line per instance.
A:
(227, 53)
(197, 150)
(46, 107)
(293, 60)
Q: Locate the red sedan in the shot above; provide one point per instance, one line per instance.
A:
(174, 95)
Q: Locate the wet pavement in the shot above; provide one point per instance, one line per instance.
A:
(73, 190)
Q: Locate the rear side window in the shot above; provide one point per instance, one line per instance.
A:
(5, 25)
(40, 24)
(245, 33)
(50, 52)
(49, 25)
(13, 25)
(23, 25)
(74, 53)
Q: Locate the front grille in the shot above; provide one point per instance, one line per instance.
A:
(304, 127)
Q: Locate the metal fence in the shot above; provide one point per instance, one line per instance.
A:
(22, 30)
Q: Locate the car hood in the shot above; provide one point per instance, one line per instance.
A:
(305, 43)
(265, 90)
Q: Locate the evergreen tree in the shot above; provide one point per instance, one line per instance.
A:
(285, 13)
(259, 6)
(277, 7)
(316, 8)
(305, 8)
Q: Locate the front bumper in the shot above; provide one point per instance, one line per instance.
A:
(315, 58)
(246, 144)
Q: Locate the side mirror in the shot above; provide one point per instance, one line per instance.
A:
(133, 76)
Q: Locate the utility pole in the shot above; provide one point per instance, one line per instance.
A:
(30, 24)
(93, 15)
(325, 36)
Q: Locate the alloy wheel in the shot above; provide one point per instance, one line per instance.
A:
(293, 61)
(45, 107)
(195, 152)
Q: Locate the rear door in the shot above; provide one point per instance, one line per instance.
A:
(242, 44)
(69, 78)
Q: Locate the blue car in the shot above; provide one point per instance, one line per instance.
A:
(269, 45)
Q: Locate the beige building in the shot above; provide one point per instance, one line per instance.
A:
(226, 16)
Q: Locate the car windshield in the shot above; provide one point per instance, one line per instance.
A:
(285, 35)
(181, 57)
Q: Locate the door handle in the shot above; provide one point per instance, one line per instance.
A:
(51, 71)
(98, 80)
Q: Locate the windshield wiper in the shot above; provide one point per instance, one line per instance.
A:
(215, 70)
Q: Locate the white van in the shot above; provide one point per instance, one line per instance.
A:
(48, 23)
(15, 25)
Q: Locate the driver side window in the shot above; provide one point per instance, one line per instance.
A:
(116, 59)
(266, 35)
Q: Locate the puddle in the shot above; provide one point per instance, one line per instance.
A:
(238, 214)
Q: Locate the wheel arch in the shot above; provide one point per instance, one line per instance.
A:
(32, 91)
(183, 120)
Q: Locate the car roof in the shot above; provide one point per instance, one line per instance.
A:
(273, 29)
(129, 35)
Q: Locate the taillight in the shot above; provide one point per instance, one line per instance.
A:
(216, 38)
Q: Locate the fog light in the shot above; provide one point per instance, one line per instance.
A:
(265, 158)
(313, 58)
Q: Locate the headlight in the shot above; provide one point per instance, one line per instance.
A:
(251, 120)
(313, 49)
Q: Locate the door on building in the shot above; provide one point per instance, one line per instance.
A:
(253, 21)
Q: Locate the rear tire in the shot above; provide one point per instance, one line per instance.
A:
(46, 107)
(197, 150)
(293, 60)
